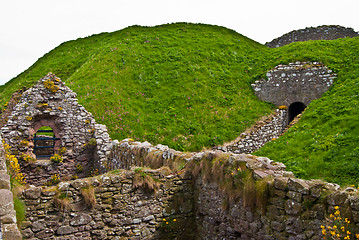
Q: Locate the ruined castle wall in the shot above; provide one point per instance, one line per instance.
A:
(295, 209)
(288, 208)
(295, 82)
(263, 131)
(313, 33)
(51, 103)
(8, 221)
(122, 210)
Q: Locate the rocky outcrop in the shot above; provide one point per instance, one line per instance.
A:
(313, 33)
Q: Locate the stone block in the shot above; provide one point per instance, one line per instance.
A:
(6, 202)
(11, 232)
(337, 198)
(298, 185)
(4, 180)
(294, 195)
(292, 207)
(278, 226)
(81, 219)
(354, 202)
(64, 230)
(281, 183)
(32, 193)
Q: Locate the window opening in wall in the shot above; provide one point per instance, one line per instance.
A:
(295, 109)
(44, 142)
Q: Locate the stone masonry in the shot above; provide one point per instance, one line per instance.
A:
(313, 33)
(293, 208)
(295, 82)
(121, 211)
(51, 103)
(7, 213)
(265, 130)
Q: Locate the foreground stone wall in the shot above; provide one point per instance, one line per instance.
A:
(265, 130)
(7, 213)
(295, 82)
(287, 208)
(121, 210)
(295, 209)
(313, 33)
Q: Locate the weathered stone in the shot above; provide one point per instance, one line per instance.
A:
(79, 183)
(45, 233)
(330, 32)
(337, 198)
(11, 232)
(295, 195)
(33, 192)
(37, 226)
(4, 180)
(298, 185)
(64, 230)
(354, 202)
(355, 216)
(281, 183)
(80, 219)
(278, 226)
(27, 233)
(292, 207)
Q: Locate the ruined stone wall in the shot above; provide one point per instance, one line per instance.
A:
(51, 103)
(313, 33)
(295, 209)
(287, 208)
(122, 210)
(295, 82)
(8, 221)
(263, 131)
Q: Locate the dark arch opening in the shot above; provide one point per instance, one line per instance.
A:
(295, 109)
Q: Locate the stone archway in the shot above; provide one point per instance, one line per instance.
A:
(295, 109)
(48, 122)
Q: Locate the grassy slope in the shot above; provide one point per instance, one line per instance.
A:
(188, 86)
(324, 144)
(183, 85)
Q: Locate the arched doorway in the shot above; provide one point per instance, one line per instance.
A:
(45, 138)
(44, 142)
(295, 109)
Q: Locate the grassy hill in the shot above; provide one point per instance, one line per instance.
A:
(188, 86)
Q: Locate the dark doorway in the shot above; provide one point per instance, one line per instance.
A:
(295, 109)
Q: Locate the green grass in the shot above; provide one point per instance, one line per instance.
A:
(188, 86)
(324, 144)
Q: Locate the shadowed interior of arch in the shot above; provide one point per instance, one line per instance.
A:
(295, 109)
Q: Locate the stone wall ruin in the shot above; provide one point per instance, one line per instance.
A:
(50, 103)
(291, 209)
(313, 33)
(296, 83)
